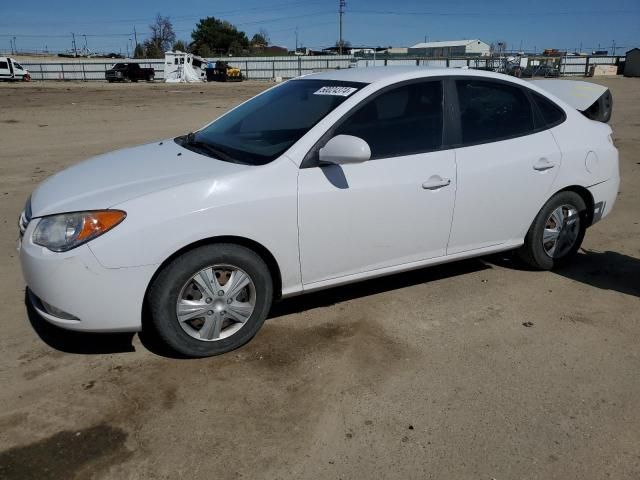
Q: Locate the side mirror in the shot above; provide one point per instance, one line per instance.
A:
(343, 149)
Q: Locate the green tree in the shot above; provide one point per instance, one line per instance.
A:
(218, 36)
(260, 39)
(180, 45)
(152, 49)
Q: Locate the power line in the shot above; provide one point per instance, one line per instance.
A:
(479, 14)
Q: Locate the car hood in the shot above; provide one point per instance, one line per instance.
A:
(107, 180)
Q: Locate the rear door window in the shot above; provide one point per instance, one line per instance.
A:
(402, 121)
(4, 65)
(492, 111)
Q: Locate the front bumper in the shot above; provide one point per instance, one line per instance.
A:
(101, 299)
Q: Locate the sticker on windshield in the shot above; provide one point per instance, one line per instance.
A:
(338, 91)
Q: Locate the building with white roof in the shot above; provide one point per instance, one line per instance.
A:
(451, 48)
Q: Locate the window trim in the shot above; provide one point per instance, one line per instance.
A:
(538, 122)
(311, 159)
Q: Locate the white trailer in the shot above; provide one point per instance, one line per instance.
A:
(182, 67)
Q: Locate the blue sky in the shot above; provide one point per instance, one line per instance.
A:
(542, 24)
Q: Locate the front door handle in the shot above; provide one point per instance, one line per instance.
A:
(435, 182)
(543, 164)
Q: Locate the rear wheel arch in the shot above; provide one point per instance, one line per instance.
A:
(586, 196)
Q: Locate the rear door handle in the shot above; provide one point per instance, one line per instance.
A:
(435, 182)
(543, 164)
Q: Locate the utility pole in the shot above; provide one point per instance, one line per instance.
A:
(73, 43)
(135, 35)
(296, 50)
(342, 4)
(11, 45)
(614, 48)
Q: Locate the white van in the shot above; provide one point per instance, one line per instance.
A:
(12, 70)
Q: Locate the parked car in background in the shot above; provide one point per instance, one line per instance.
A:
(10, 70)
(132, 72)
(320, 181)
(546, 71)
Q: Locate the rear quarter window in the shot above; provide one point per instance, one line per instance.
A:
(551, 113)
(4, 65)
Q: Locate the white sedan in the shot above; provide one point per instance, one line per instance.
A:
(323, 180)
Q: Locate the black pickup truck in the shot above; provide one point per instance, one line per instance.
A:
(129, 72)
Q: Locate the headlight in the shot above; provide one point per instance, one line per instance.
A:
(63, 232)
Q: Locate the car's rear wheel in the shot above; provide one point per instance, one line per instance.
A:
(211, 300)
(556, 233)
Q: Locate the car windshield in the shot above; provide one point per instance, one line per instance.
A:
(263, 128)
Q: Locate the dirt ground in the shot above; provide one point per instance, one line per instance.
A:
(430, 374)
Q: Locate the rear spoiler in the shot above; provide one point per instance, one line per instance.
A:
(593, 100)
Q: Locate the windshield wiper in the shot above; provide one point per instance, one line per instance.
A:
(210, 149)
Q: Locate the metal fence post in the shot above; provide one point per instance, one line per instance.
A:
(246, 69)
(299, 66)
(84, 75)
(273, 69)
(62, 70)
(586, 67)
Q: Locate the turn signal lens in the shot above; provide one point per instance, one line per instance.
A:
(63, 232)
(96, 223)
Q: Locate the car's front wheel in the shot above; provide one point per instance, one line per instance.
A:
(211, 300)
(557, 231)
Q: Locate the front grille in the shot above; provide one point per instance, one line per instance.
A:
(25, 218)
(22, 224)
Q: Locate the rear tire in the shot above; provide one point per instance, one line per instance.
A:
(556, 233)
(200, 287)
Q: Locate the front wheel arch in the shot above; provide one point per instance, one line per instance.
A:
(261, 250)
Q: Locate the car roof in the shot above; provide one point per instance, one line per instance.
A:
(392, 74)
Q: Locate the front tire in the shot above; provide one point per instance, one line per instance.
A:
(556, 233)
(210, 300)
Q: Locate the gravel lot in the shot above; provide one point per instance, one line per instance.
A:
(429, 374)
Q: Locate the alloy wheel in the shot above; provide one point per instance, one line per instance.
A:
(216, 302)
(561, 231)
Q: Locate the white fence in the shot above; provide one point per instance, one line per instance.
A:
(253, 68)
(265, 68)
(569, 65)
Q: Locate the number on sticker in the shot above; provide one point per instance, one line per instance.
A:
(338, 91)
